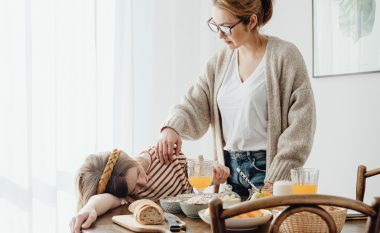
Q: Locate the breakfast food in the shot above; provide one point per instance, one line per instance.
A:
(200, 199)
(228, 197)
(260, 194)
(171, 204)
(251, 214)
(147, 212)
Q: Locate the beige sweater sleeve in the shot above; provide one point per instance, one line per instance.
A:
(191, 118)
(295, 142)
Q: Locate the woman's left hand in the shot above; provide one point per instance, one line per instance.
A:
(221, 173)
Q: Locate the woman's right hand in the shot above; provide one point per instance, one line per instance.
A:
(168, 140)
(83, 220)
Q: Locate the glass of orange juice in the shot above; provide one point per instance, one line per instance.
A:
(200, 173)
(305, 180)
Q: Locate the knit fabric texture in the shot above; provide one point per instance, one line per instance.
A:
(291, 108)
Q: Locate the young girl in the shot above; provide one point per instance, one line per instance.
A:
(108, 180)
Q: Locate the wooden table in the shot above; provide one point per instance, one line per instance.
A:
(104, 224)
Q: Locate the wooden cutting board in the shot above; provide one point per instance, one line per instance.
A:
(129, 222)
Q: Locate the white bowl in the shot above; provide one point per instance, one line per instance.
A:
(230, 203)
(240, 223)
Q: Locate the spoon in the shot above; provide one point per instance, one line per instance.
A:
(241, 173)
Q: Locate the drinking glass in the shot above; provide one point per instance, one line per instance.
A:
(305, 180)
(200, 173)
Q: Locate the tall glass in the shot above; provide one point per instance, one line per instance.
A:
(200, 173)
(305, 180)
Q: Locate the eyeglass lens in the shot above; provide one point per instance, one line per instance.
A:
(215, 28)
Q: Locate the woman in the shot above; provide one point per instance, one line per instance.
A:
(255, 94)
(108, 180)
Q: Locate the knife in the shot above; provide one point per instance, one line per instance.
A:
(172, 222)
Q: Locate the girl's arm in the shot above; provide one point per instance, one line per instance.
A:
(101, 203)
(96, 205)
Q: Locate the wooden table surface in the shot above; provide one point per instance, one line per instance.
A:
(104, 224)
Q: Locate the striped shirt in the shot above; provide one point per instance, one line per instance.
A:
(164, 180)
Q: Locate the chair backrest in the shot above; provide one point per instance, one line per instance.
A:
(296, 203)
(362, 175)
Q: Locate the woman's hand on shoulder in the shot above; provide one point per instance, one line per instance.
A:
(83, 220)
(221, 173)
(168, 140)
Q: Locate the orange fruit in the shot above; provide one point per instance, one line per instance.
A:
(255, 213)
(245, 215)
(251, 214)
(266, 193)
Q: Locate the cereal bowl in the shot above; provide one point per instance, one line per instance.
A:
(192, 210)
(171, 204)
(192, 206)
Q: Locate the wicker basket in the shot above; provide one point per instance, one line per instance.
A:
(306, 222)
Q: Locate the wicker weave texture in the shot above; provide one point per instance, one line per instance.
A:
(305, 222)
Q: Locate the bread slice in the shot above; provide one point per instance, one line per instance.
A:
(147, 212)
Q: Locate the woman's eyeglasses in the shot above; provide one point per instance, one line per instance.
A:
(226, 30)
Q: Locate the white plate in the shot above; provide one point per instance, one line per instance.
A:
(240, 223)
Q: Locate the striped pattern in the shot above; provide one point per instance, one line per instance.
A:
(165, 180)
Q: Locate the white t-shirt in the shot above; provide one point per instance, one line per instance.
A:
(243, 107)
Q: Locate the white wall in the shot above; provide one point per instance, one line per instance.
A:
(348, 110)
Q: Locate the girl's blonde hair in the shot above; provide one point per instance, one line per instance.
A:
(92, 169)
(243, 9)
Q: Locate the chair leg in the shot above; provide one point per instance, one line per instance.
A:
(216, 208)
(360, 182)
(373, 224)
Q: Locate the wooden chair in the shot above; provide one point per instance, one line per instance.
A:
(295, 204)
(216, 188)
(362, 175)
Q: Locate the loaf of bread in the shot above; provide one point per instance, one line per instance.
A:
(147, 212)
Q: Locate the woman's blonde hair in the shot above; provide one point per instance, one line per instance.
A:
(243, 9)
(92, 169)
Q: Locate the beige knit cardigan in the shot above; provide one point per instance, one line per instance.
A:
(291, 108)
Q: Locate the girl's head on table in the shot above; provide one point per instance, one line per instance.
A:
(126, 177)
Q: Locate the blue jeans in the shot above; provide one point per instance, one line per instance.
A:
(252, 163)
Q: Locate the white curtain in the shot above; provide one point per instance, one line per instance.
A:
(77, 77)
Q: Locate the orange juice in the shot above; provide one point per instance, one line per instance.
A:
(200, 182)
(305, 189)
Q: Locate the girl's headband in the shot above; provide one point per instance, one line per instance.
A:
(112, 159)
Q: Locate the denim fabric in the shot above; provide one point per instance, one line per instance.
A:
(252, 163)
